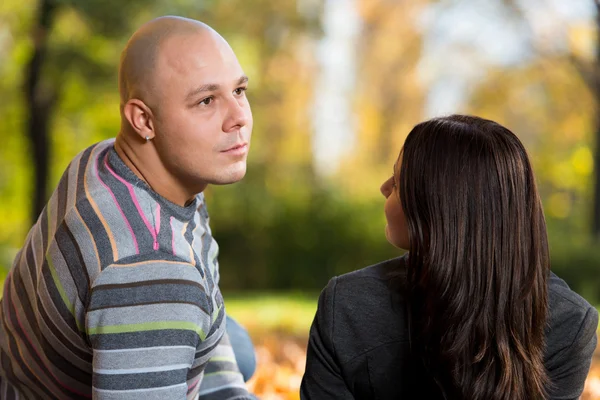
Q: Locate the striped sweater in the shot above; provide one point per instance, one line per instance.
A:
(115, 295)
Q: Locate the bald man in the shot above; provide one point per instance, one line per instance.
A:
(115, 293)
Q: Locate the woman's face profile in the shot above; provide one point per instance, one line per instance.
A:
(396, 231)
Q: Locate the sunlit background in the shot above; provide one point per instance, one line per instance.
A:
(335, 86)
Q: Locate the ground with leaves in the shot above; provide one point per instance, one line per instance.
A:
(279, 324)
(281, 359)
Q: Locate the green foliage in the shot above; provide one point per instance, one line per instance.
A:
(276, 241)
(577, 261)
(283, 227)
(259, 312)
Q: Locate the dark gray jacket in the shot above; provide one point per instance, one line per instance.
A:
(358, 344)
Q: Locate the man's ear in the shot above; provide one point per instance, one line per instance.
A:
(140, 118)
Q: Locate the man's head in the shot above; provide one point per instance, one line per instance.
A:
(183, 104)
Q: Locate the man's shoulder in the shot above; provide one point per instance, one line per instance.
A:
(94, 149)
(70, 209)
(75, 185)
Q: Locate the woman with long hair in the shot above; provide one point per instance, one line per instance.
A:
(472, 311)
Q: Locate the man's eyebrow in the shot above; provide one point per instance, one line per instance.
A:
(209, 87)
(213, 87)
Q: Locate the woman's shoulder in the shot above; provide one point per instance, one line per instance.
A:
(566, 308)
(373, 290)
(382, 272)
(559, 290)
(364, 309)
(570, 339)
(572, 321)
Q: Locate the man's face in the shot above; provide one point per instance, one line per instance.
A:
(203, 121)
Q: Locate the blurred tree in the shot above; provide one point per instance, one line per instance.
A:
(588, 68)
(590, 73)
(49, 63)
(551, 113)
(550, 102)
(41, 100)
(389, 99)
(282, 226)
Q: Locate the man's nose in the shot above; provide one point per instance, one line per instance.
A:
(237, 115)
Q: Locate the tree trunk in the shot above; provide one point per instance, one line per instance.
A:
(40, 101)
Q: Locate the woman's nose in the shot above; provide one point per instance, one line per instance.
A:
(386, 188)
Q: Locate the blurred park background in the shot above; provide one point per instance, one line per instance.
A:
(335, 86)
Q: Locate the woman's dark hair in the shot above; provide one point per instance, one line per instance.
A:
(478, 261)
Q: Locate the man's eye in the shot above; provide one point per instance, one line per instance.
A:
(239, 91)
(206, 101)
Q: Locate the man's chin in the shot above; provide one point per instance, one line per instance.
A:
(231, 177)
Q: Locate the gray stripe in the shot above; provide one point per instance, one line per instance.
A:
(140, 370)
(149, 313)
(111, 212)
(74, 260)
(173, 392)
(85, 209)
(167, 337)
(222, 389)
(61, 195)
(142, 358)
(165, 235)
(85, 242)
(183, 249)
(153, 270)
(52, 213)
(149, 294)
(71, 195)
(140, 381)
(49, 307)
(125, 201)
(67, 283)
(63, 349)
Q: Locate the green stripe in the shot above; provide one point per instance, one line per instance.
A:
(216, 314)
(229, 359)
(147, 326)
(62, 292)
(223, 373)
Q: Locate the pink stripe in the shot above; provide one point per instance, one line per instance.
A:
(40, 357)
(193, 385)
(137, 250)
(157, 225)
(172, 234)
(137, 204)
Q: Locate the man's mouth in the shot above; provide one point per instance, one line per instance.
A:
(238, 148)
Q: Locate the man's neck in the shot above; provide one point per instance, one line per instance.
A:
(143, 160)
